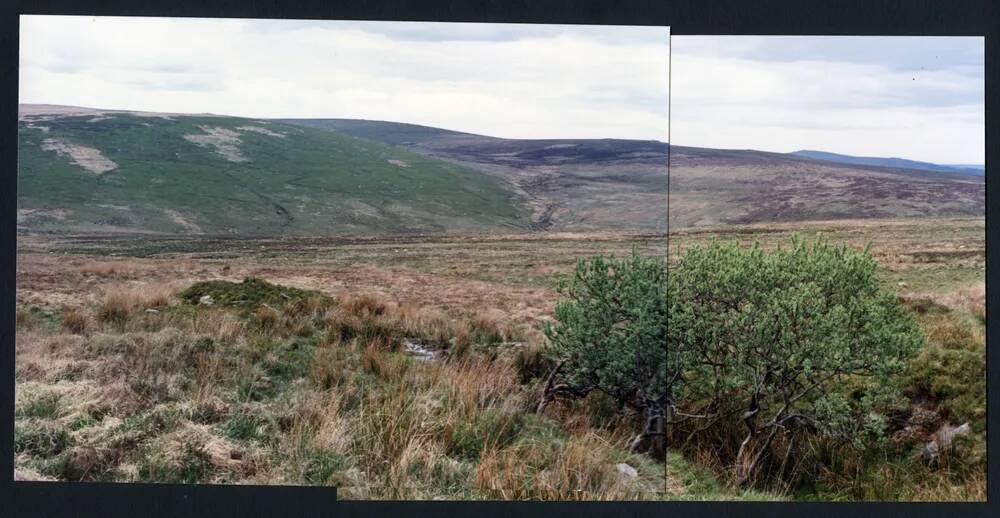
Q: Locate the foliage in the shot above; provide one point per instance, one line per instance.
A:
(610, 334)
(779, 333)
(794, 340)
(250, 293)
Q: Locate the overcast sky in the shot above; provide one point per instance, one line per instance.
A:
(920, 98)
(506, 80)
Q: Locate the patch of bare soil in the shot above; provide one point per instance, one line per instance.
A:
(86, 157)
(224, 140)
(26, 215)
(179, 218)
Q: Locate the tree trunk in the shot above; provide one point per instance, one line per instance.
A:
(652, 441)
(746, 468)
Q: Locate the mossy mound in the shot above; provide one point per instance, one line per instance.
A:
(251, 293)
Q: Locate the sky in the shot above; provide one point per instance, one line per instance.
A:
(920, 98)
(504, 80)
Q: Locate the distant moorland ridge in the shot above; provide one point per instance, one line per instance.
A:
(85, 170)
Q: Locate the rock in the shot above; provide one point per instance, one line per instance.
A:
(153, 311)
(902, 284)
(947, 434)
(627, 470)
(206, 300)
(943, 439)
(930, 451)
(418, 351)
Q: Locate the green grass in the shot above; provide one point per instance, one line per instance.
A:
(250, 293)
(44, 406)
(312, 182)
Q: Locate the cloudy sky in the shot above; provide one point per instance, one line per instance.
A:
(519, 81)
(920, 98)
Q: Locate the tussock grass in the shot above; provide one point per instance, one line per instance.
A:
(75, 321)
(321, 391)
(25, 320)
(122, 301)
(309, 391)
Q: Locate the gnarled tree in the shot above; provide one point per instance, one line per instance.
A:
(610, 336)
(769, 339)
(779, 335)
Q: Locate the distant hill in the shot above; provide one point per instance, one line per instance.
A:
(593, 184)
(896, 163)
(713, 186)
(979, 168)
(396, 133)
(83, 170)
(569, 184)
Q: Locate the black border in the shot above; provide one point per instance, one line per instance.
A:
(763, 17)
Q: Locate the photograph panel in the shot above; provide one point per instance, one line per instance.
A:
(827, 269)
(351, 254)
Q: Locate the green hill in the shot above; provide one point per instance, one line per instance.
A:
(85, 171)
(605, 184)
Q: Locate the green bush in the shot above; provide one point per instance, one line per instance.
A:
(797, 340)
(610, 335)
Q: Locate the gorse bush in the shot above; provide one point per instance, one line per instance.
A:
(789, 342)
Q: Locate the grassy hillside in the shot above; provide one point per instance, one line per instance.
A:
(396, 133)
(570, 184)
(101, 171)
(121, 171)
(605, 184)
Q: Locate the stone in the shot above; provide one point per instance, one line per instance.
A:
(943, 439)
(206, 300)
(627, 470)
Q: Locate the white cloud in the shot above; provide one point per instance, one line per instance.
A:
(503, 80)
(916, 98)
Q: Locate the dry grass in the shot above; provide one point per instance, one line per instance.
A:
(577, 470)
(75, 321)
(324, 394)
(23, 319)
(971, 299)
(205, 394)
(122, 301)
